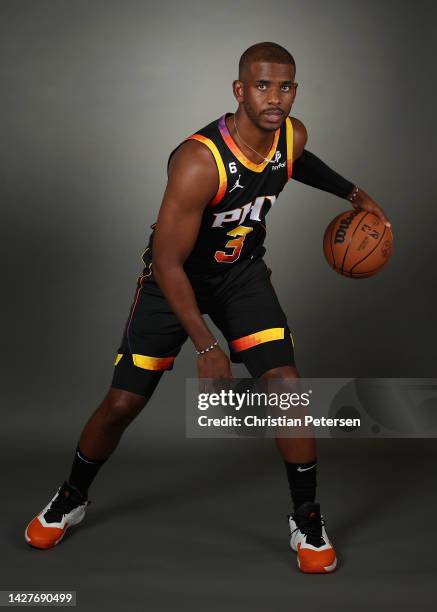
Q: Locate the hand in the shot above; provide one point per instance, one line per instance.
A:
(214, 364)
(364, 202)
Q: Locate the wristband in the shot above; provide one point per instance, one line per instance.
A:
(207, 349)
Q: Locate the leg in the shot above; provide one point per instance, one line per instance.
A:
(253, 322)
(99, 438)
(106, 425)
(292, 450)
(250, 316)
(151, 340)
(308, 537)
(298, 454)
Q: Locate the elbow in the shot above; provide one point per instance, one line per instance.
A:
(159, 267)
(162, 264)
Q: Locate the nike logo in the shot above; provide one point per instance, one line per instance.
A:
(299, 469)
(83, 458)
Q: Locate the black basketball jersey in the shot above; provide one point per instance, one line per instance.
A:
(233, 225)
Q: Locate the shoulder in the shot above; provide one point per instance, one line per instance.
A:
(300, 137)
(194, 155)
(192, 174)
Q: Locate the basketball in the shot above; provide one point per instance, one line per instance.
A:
(357, 244)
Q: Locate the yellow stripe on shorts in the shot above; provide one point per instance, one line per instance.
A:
(149, 363)
(153, 363)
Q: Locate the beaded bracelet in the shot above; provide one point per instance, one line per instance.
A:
(353, 195)
(207, 349)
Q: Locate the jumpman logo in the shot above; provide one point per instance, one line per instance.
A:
(237, 184)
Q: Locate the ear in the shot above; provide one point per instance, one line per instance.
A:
(238, 89)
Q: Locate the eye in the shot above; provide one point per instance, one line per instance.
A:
(262, 86)
(286, 87)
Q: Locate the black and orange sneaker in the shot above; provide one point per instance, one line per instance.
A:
(67, 508)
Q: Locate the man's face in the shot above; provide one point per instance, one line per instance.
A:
(267, 92)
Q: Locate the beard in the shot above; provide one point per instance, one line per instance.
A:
(254, 117)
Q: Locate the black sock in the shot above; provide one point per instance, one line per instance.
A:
(302, 479)
(83, 471)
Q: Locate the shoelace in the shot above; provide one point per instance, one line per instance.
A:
(62, 504)
(312, 528)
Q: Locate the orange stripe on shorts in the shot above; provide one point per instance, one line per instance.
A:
(265, 335)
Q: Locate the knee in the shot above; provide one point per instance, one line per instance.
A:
(281, 372)
(121, 407)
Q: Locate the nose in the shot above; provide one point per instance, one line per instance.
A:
(274, 97)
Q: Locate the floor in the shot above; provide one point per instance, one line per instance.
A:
(203, 527)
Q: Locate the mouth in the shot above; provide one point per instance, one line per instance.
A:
(273, 115)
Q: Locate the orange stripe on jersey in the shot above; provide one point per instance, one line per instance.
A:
(223, 181)
(239, 154)
(289, 133)
(265, 335)
(117, 359)
(153, 363)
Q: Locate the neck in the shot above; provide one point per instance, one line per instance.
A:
(249, 134)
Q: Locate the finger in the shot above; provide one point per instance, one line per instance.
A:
(384, 219)
(380, 213)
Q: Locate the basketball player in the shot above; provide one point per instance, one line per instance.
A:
(205, 255)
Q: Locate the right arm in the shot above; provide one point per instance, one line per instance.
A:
(192, 183)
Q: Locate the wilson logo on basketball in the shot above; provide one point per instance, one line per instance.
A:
(344, 224)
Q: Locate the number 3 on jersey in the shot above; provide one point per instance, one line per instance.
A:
(239, 235)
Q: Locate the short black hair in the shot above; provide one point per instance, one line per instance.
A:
(264, 52)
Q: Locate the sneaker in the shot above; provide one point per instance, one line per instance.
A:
(315, 553)
(65, 509)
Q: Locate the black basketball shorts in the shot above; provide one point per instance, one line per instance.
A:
(241, 302)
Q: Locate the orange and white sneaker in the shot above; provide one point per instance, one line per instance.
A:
(65, 509)
(315, 553)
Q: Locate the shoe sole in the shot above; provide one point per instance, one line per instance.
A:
(328, 569)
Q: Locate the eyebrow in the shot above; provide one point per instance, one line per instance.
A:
(264, 81)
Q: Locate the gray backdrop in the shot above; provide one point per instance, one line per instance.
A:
(95, 94)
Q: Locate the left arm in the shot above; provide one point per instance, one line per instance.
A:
(309, 169)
